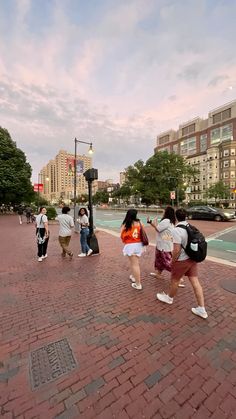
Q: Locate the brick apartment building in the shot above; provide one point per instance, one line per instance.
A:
(209, 145)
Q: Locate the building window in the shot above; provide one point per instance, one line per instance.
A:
(215, 136)
(221, 134)
(188, 146)
(163, 140)
(226, 163)
(221, 116)
(226, 175)
(188, 130)
(226, 132)
(233, 152)
(226, 153)
(232, 163)
(232, 174)
(203, 142)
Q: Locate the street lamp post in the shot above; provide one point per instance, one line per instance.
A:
(91, 175)
(75, 168)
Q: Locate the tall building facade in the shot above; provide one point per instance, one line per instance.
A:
(58, 177)
(210, 146)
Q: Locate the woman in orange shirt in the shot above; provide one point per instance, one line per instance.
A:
(130, 235)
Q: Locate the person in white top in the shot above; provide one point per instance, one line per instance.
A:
(164, 242)
(42, 233)
(183, 265)
(84, 232)
(66, 223)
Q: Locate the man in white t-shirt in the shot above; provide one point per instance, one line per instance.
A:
(183, 265)
(66, 223)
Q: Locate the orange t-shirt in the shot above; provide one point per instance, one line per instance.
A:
(132, 235)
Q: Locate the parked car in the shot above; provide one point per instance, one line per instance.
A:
(206, 212)
(154, 206)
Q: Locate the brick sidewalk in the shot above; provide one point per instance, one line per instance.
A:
(135, 357)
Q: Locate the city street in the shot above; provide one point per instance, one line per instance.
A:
(78, 342)
(220, 245)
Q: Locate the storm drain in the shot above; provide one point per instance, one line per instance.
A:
(50, 362)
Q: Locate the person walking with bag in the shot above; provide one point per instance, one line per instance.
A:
(66, 223)
(131, 232)
(164, 242)
(42, 233)
(183, 265)
(84, 232)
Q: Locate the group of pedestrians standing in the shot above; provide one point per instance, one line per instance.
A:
(170, 254)
(66, 225)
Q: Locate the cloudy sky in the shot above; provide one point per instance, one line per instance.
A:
(115, 72)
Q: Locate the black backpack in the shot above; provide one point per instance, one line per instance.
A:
(196, 247)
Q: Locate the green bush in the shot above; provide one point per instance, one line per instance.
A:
(51, 213)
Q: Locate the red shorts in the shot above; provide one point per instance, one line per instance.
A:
(183, 267)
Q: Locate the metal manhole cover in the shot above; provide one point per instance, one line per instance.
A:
(50, 362)
(228, 285)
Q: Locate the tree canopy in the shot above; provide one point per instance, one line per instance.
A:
(218, 191)
(164, 172)
(100, 197)
(15, 172)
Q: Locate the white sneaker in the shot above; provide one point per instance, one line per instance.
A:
(200, 311)
(165, 298)
(45, 256)
(89, 252)
(132, 278)
(136, 286)
(82, 255)
(40, 259)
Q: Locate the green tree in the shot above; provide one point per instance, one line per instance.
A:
(124, 193)
(218, 191)
(100, 197)
(162, 173)
(15, 172)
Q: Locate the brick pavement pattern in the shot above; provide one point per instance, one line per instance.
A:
(135, 357)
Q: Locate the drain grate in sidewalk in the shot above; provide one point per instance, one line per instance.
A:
(50, 362)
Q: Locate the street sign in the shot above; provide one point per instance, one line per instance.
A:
(172, 195)
(38, 187)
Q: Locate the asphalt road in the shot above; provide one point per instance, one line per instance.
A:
(221, 235)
